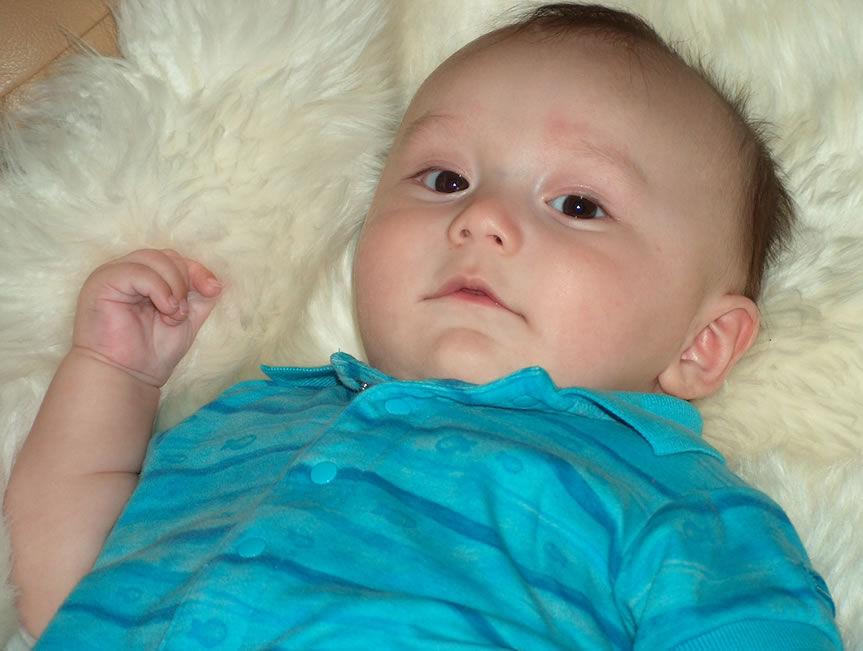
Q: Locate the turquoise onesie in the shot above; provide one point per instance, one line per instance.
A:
(337, 508)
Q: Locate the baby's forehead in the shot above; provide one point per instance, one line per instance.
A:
(642, 65)
(677, 94)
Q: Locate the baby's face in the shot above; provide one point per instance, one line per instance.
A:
(548, 204)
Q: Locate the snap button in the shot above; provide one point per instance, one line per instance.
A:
(324, 472)
(398, 407)
(251, 547)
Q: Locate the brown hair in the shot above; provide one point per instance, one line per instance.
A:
(767, 205)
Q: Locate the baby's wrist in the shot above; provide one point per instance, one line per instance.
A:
(83, 355)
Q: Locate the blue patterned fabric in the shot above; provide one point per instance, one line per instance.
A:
(337, 508)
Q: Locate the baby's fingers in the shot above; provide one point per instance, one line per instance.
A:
(163, 278)
(202, 280)
(160, 275)
(148, 284)
(204, 290)
(200, 285)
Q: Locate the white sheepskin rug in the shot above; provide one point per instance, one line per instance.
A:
(248, 134)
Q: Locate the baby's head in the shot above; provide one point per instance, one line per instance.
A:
(567, 193)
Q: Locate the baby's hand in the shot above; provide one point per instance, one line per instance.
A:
(142, 312)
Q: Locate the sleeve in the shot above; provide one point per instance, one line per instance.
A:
(723, 570)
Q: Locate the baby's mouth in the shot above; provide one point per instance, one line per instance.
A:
(472, 290)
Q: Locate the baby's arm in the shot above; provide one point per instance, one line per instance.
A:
(136, 318)
(724, 569)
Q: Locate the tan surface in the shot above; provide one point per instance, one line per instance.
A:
(34, 34)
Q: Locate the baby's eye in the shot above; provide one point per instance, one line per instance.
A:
(445, 181)
(574, 205)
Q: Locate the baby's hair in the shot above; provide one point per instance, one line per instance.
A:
(767, 203)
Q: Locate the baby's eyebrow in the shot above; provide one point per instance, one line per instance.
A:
(428, 122)
(607, 153)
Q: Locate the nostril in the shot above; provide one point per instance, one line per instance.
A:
(497, 239)
(465, 232)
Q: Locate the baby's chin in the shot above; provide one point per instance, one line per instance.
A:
(475, 367)
(465, 368)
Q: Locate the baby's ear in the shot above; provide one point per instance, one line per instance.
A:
(731, 327)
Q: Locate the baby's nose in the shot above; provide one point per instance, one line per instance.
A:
(486, 221)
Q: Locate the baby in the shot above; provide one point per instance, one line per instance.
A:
(565, 246)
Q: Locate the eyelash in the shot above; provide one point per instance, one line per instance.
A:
(457, 180)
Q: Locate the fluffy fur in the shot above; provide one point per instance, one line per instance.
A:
(249, 134)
